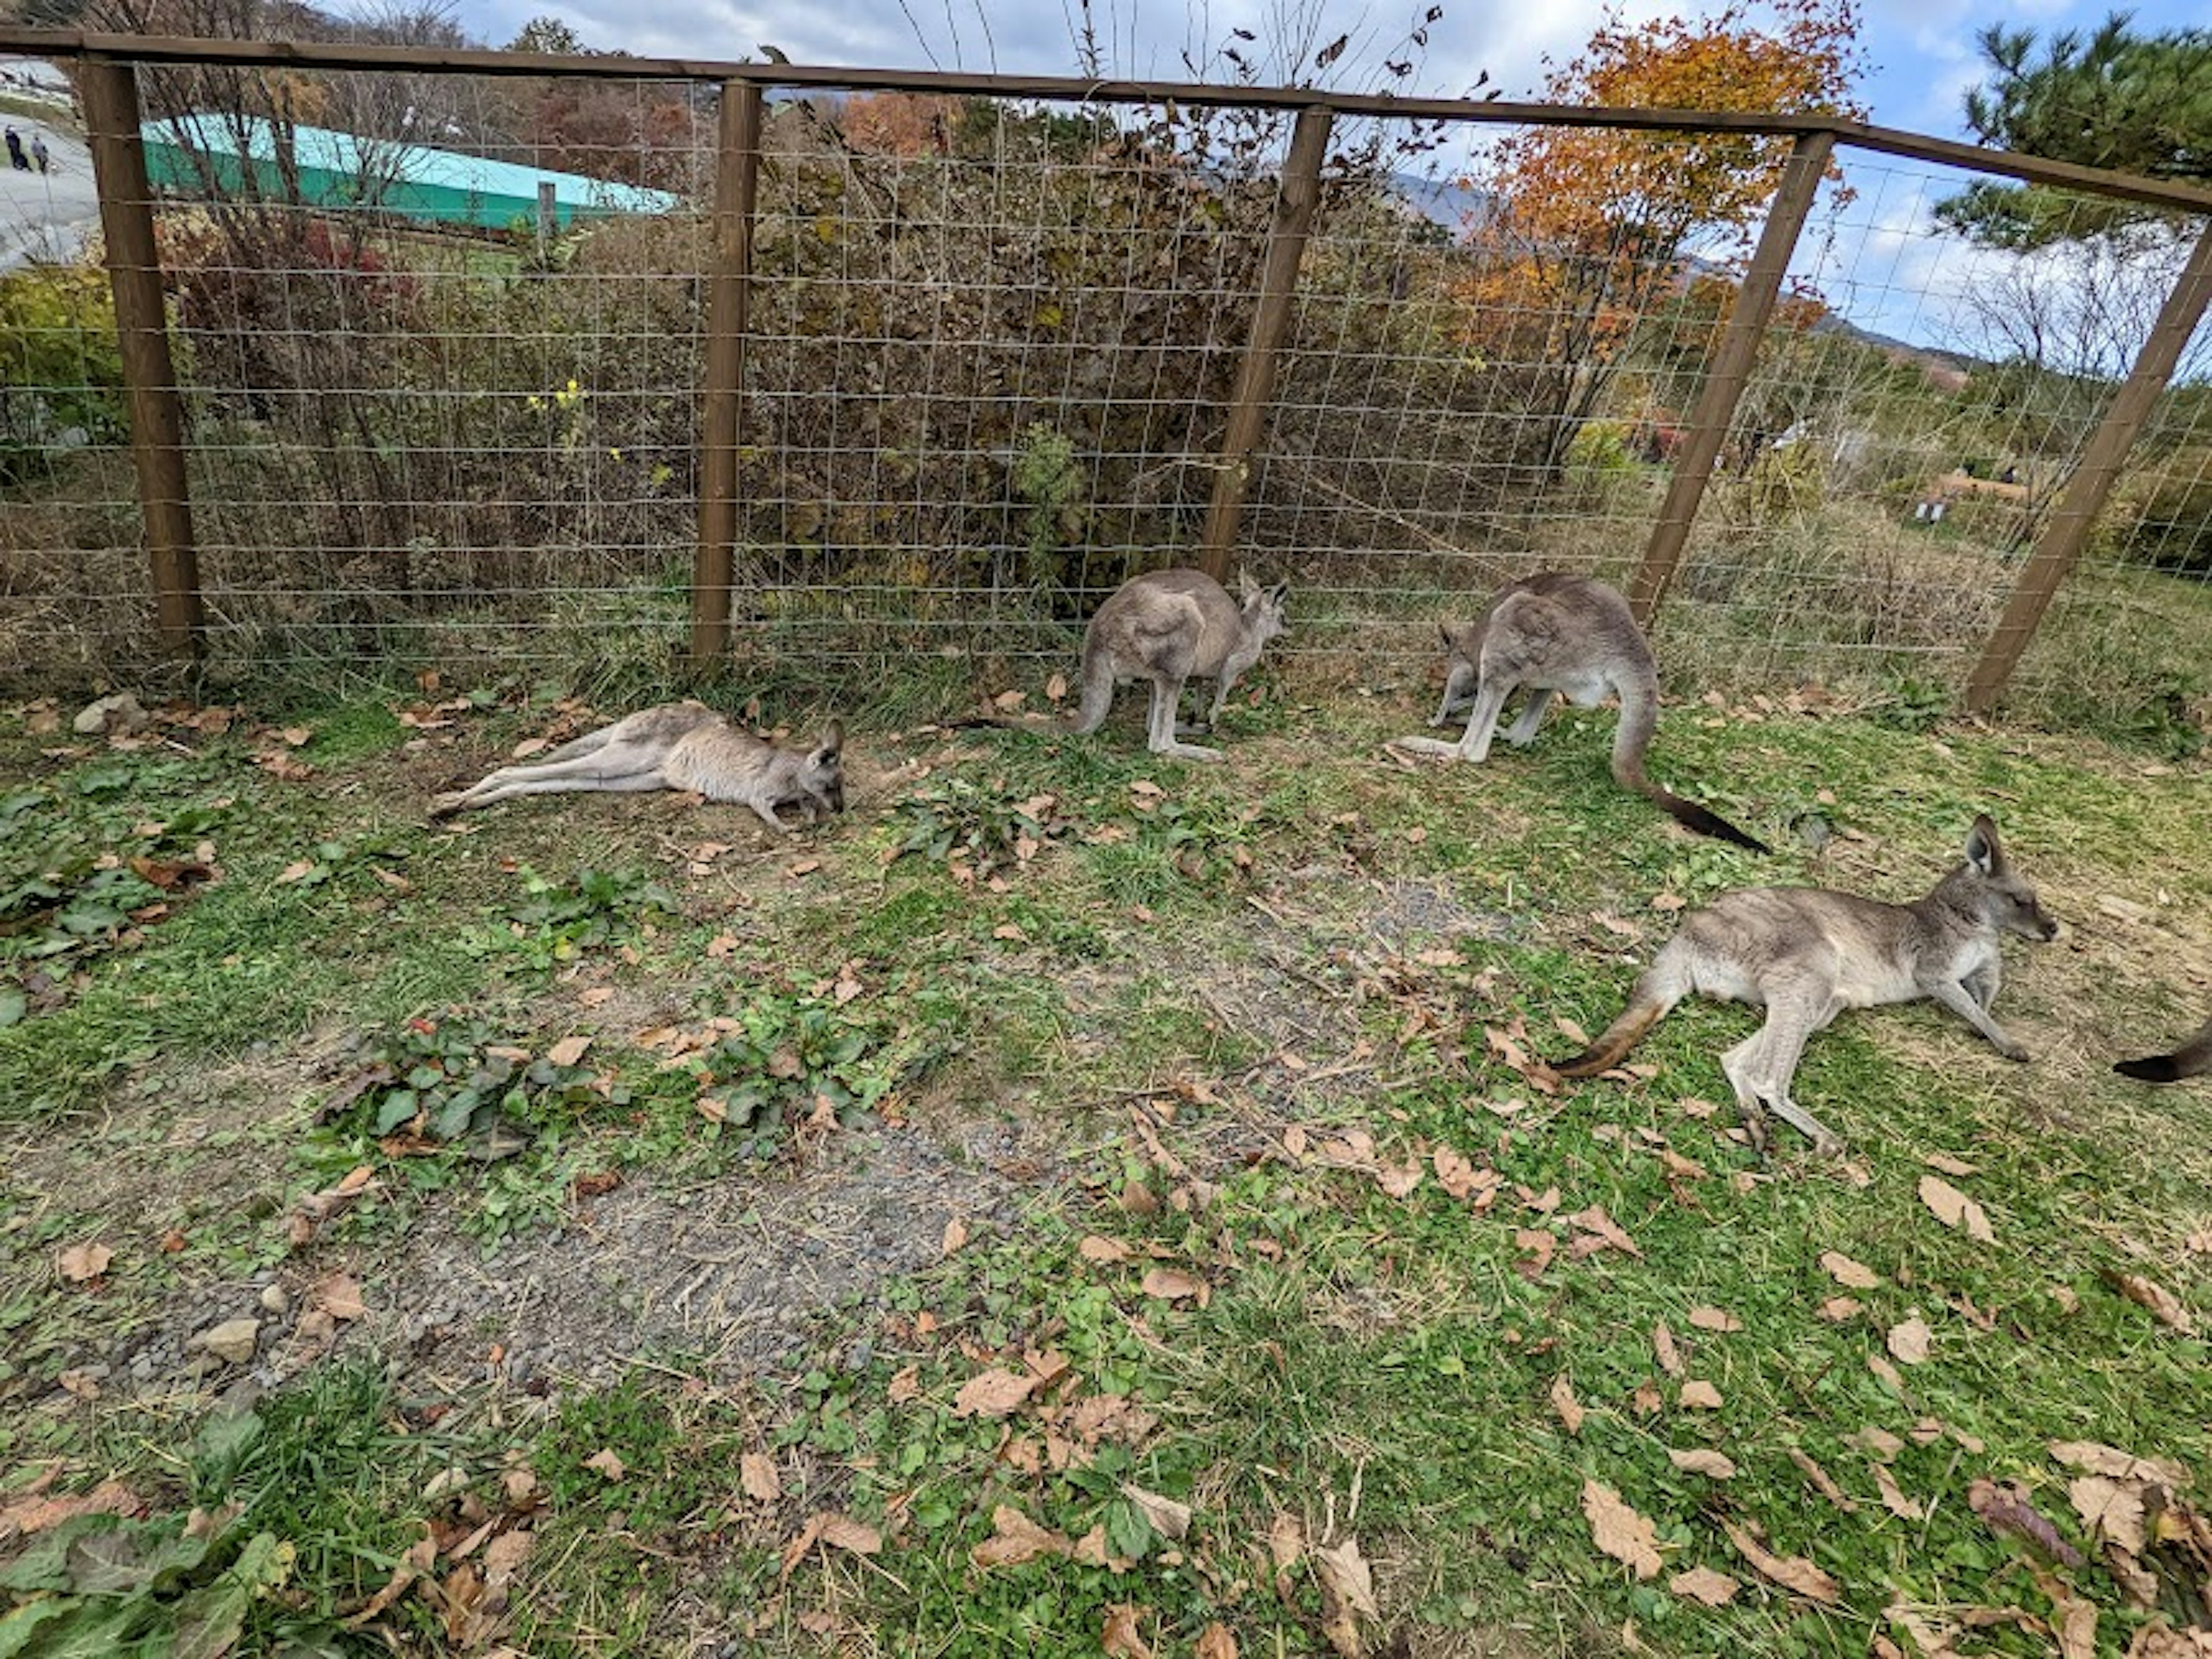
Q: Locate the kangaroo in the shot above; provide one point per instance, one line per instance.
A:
(1556, 634)
(1806, 954)
(678, 746)
(1167, 627)
(2192, 1059)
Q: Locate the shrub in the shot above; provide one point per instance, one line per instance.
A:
(61, 367)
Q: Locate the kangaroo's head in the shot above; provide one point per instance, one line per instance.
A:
(2001, 894)
(1463, 658)
(822, 774)
(1263, 609)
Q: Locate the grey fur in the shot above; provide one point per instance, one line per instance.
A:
(1806, 954)
(1170, 626)
(679, 745)
(1554, 635)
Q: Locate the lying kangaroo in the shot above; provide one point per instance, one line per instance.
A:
(1808, 954)
(679, 745)
(1169, 627)
(1555, 633)
(2192, 1059)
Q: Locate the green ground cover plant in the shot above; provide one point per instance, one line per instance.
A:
(1077, 1203)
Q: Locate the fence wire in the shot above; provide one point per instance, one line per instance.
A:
(990, 354)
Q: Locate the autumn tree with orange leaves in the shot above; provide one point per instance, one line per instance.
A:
(1588, 226)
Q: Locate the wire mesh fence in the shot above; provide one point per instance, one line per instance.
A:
(441, 340)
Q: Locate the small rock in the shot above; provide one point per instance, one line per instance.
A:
(860, 1355)
(119, 712)
(274, 1300)
(233, 1342)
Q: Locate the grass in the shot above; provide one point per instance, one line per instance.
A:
(1179, 1097)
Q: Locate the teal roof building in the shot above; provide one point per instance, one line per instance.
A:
(336, 170)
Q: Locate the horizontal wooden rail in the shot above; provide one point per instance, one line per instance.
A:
(163, 49)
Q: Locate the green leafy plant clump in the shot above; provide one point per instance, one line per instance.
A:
(456, 1079)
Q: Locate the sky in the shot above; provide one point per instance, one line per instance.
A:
(1879, 260)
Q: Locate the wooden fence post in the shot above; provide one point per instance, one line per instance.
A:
(2063, 538)
(1731, 368)
(109, 94)
(1297, 199)
(736, 183)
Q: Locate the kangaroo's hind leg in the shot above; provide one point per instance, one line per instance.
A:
(1761, 1067)
(1167, 692)
(1523, 730)
(613, 767)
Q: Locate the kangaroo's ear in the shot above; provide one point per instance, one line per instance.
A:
(1246, 587)
(1983, 850)
(833, 738)
(1444, 632)
(1279, 595)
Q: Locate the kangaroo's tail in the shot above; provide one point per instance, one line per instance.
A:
(1639, 716)
(2151, 1068)
(2192, 1058)
(1098, 688)
(1660, 987)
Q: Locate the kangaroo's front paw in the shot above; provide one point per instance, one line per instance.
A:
(2012, 1050)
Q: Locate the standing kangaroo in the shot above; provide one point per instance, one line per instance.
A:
(1170, 626)
(1808, 954)
(679, 745)
(1557, 635)
(2192, 1059)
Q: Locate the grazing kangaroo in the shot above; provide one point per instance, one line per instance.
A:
(1808, 954)
(679, 745)
(1554, 635)
(1170, 626)
(2192, 1059)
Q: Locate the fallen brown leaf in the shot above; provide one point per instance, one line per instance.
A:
(569, 1050)
(956, 1235)
(1909, 1340)
(2147, 1292)
(1716, 1465)
(991, 1392)
(1845, 1272)
(1215, 1642)
(841, 1532)
(1348, 1590)
(2006, 1509)
(1169, 1518)
(1173, 1284)
(80, 1262)
(339, 1296)
(1893, 1495)
(1664, 1349)
(1620, 1531)
(1715, 1589)
(757, 1477)
(2093, 1458)
(1119, 1637)
(1701, 1395)
(607, 1463)
(1564, 1402)
(1016, 1538)
(1713, 1319)
(1792, 1572)
(1954, 1209)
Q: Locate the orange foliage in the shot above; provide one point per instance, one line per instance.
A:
(1631, 193)
(1590, 224)
(900, 123)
